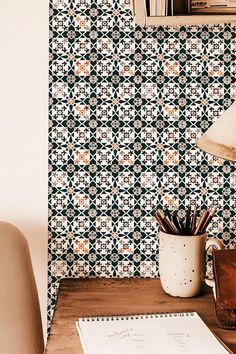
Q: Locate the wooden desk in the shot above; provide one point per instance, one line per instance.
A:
(97, 297)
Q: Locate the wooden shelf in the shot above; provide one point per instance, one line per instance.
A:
(141, 18)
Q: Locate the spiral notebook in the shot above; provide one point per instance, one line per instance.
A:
(148, 334)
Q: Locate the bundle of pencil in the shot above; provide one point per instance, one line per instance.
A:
(169, 222)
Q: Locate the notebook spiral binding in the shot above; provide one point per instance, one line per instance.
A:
(138, 317)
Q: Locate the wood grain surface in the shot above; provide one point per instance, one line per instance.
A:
(99, 297)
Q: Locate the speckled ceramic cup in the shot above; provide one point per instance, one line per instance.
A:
(182, 263)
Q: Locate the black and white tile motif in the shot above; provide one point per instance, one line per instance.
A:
(126, 107)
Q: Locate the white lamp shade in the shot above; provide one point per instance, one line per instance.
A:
(220, 138)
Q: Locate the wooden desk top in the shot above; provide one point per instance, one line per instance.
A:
(97, 297)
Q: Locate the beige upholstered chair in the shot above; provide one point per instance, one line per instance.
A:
(20, 319)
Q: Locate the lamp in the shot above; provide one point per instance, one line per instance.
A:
(220, 138)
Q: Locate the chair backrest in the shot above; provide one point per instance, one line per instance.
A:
(20, 319)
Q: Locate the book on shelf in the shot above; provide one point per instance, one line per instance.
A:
(185, 7)
(158, 7)
(168, 7)
(163, 333)
(214, 10)
(213, 7)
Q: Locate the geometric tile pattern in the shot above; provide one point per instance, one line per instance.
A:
(126, 107)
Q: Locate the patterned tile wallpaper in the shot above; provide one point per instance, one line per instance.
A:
(126, 107)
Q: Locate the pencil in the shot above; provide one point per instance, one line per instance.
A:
(162, 228)
(182, 226)
(167, 223)
(194, 218)
(176, 223)
(201, 221)
(208, 220)
(187, 220)
(163, 222)
(168, 213)
(171, 226)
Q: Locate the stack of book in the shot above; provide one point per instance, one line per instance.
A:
(168, 7)
(186, 7)
(213, 7)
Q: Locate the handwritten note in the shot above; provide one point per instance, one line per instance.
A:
(132, 338)
(169, 334)
(182, 341)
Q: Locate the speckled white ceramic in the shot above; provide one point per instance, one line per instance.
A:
(182, 263)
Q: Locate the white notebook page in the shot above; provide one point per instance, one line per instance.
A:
(171, 334)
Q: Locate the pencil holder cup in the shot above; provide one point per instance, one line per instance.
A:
(182, 263)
